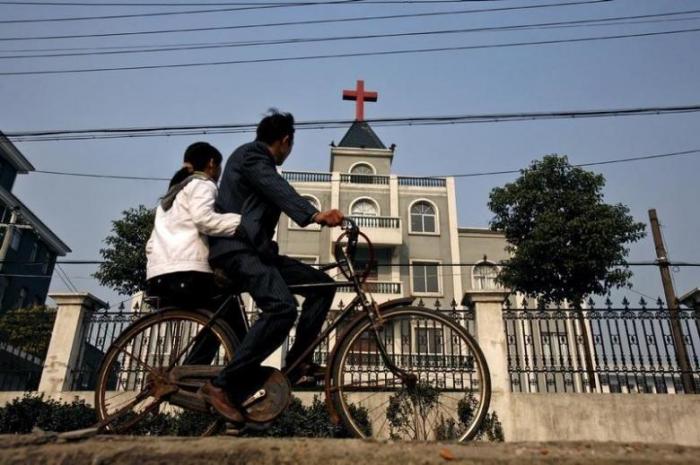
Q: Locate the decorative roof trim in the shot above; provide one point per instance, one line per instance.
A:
(43, 231)
(12, 154)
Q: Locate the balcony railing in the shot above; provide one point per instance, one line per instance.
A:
(379, 287)
(386, 222)
(302, 176)
(364, 179)
(422, 182)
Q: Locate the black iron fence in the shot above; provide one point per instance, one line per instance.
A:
(607, 349)
(101, 329)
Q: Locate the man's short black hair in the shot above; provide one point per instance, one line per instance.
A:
(275, 126)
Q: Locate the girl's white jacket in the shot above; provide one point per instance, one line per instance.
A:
(179, 238)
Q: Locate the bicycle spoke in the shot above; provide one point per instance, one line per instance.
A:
(131, 422)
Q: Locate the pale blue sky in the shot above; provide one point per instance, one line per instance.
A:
(640, 72)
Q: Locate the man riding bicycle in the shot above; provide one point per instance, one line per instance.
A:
(252, 187)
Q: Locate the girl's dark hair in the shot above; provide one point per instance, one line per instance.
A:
(197, 156)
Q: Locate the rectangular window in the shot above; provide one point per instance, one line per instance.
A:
(425, 277)
(429, 340)
(16, 239)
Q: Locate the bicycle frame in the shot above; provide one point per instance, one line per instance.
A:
(362, 298)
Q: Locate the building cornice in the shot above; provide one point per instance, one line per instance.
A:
(9, 152)
(43, 231)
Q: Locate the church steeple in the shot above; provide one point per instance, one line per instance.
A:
(361, 145)
(360, 135)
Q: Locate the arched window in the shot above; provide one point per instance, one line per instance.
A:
(362, 168)
(316, 204)
(484, 276)
(423, 217)
(364, 207)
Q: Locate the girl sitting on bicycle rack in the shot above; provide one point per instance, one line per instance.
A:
(178, 271)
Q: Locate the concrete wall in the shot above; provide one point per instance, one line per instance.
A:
(650, 418)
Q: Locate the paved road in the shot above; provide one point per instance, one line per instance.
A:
(124, 450)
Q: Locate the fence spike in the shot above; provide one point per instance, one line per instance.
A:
(437, 304)
(660, 302)
(591, 302)
(625, 302)
(420, 302)
(608, 303)
(642, 302)
(453, 304)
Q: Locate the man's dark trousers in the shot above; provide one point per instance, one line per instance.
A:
(267, 282)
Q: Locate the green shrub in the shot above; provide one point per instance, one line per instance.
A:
(21, 415)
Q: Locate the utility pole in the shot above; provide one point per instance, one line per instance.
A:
(7, 240)
(672, 303)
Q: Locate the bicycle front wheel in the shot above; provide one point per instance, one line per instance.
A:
(150, 348)
(450, 390)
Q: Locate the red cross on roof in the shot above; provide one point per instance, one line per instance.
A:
(360, 96)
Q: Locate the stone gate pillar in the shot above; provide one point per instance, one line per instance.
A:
(67, 339)
(491, 334)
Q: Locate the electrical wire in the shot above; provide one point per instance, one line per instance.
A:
(176, 13)
(303, 22)
(98, 133)
(215, 45)
(463, 175)
(342, 55)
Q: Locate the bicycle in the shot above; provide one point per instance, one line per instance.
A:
(395, 371)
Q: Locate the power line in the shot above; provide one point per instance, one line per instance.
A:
(547, 25)
(464, 175)
(178, 13)
(145, 4)
(96, 133)
(187, 45)
(304, 22)
(342, 55)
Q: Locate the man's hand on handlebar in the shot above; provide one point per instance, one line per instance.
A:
(329, 217)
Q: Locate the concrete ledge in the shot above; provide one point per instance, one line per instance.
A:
(648, 418)
(123, 450)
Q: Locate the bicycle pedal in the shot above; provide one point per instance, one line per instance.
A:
(259, 394)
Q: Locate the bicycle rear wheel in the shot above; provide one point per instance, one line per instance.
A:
(127, 393)
(451, 387)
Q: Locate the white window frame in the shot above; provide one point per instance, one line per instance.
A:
(311, 227)
(359, 199)
(437, 218)
(354, 165)
(481, 263)
(412, 261)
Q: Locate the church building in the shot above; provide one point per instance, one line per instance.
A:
(412, 222)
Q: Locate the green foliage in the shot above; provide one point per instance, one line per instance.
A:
(28, 329)
(21, 415)
(311, 422)
(416, 413)
(124, 269)
(566, 242)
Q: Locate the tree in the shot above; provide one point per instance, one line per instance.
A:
(124, 267)
(28, 329)
(566, 242)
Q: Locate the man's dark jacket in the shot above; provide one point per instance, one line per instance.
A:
(252, 187)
